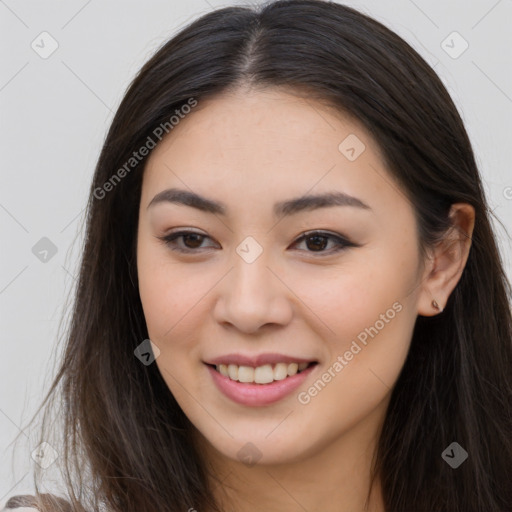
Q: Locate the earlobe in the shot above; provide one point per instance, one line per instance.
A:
(437, 306)
(426, 308)
(448, 260)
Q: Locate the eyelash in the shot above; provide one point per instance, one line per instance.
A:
(342, 243)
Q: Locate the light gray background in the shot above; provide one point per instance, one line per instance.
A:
(55, 113)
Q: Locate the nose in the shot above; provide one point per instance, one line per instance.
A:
(253, 295)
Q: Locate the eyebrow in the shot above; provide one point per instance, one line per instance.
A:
(283, 208)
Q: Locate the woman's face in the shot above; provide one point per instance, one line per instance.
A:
(248, 295)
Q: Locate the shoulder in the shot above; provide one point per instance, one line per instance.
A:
(30, 503)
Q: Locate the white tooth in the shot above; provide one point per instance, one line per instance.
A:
(263, 374)
(245, 374)
(222, 368)
(280, 371)
(303, 366)
(233, 371)
(292, 369)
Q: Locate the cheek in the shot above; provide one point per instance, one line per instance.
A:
(174, 302)
(172, 307)
(170, 291)
(370, 320)
(349, 299)
(365, 310)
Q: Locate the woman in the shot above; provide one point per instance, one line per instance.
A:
(291, 296)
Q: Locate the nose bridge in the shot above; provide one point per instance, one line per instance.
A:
(251, 294)
(251, 273)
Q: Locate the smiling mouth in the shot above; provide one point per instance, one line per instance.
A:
(264, 374)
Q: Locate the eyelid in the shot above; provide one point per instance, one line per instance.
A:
(341, 241)
(322, 232)
(178, 233)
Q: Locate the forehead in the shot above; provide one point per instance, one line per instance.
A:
(249, 144)
(263, 123)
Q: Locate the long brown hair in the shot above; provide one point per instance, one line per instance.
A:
(125, 443)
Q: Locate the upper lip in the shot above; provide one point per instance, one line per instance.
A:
(258, 360)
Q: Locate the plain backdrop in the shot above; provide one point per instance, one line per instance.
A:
(56, 109)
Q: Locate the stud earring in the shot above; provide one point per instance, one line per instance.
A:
(436, 305)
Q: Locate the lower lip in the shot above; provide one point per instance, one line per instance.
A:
(258, 394)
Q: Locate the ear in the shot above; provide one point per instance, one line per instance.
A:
(448, 259)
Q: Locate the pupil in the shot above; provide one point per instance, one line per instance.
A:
(197, 239)
(317, 238)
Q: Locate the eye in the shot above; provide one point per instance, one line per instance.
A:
(317, 242)
(190, 239)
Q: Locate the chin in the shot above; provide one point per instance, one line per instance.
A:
(264, 445)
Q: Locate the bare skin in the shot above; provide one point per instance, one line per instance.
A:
(249, 150)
